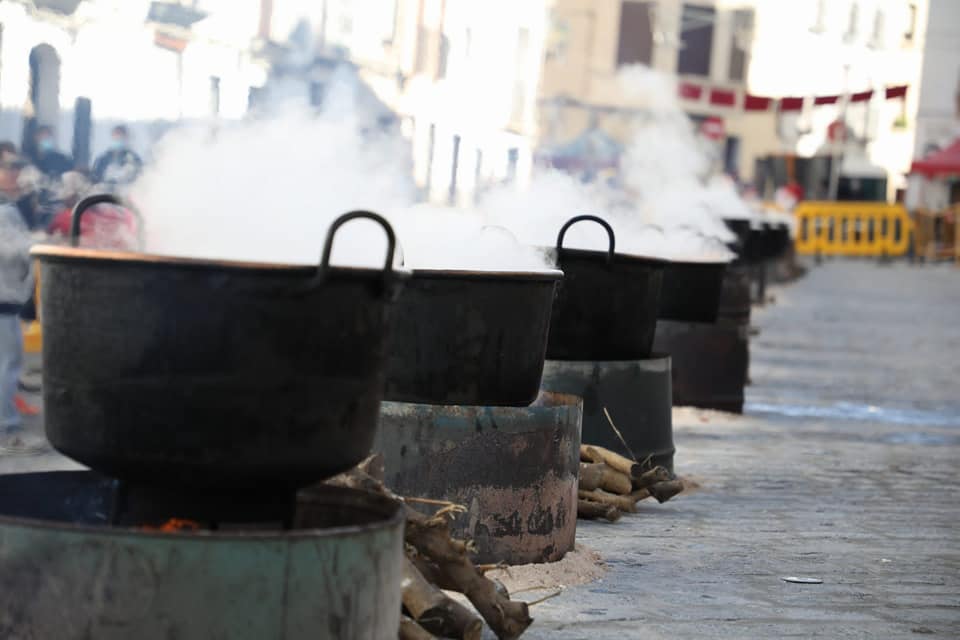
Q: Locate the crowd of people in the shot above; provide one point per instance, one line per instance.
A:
(37, 193)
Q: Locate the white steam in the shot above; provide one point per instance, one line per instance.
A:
(667, 205)
(267, 191)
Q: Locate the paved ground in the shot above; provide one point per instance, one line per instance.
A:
(846, 468)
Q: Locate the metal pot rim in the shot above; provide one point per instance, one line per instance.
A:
(499, 274)
(700, 263)
(71, 254)
(593, 254)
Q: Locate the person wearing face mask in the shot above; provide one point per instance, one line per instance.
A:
(120, 164)
(48, 160)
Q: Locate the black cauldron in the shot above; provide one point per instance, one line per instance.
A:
(213, 373)
(607, 304)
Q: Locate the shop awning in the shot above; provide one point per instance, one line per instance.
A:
(945, 162)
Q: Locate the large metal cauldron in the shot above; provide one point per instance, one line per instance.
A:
(691, 291)
(776, 240)
(470, 337)
(607, 305)
(66, 574)
(513, 468)
(213, 373)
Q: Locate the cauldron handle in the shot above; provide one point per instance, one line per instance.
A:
(353, 215)
(569, 223)
(81, 207)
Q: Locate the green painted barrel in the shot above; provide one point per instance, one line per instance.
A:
(65, 574)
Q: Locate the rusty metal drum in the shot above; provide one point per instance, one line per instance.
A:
(636, 394)
(514, 469)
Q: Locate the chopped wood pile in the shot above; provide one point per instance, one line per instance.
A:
(611, 484)
(434, 562)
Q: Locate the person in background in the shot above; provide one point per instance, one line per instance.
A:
(119, 164)
(16, 285)
(48, 160)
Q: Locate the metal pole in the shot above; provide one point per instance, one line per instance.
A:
(837, 159)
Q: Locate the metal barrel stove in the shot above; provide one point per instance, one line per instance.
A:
(635, 393)
(513, 468)
(66, 573)
(710, 361)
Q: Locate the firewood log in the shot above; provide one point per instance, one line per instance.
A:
(663, 491)
(651, 477)
(435, 611)
(624, 465)
(623, 503)
(599, 475)
(410, 630)
(430, 536)
(591, 510)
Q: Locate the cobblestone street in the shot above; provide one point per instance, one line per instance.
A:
(845, 468)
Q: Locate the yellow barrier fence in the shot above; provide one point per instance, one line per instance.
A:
(853, 229)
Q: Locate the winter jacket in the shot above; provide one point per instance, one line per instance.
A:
(53, 164)
(118, 166)
(16, 275)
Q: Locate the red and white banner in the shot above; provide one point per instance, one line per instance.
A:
(731, 98)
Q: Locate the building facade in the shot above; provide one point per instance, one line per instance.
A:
(488, 89)
(83, 66)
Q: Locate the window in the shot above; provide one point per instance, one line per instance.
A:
(394, 13)
(820, 24)
(444, 54)
(256, 97)
(636, 34)
(454, 166)
(431, 143)
(214, 96)
(851, 33)
(876, 38)
(740, 44)
(696, 38)
(513, 156)
(423, 42)
(911, 22)
(519, 106)
(478, 169)
(731, 156)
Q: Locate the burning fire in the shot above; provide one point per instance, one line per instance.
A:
(174, 525)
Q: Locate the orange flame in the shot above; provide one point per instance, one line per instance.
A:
(174, 525)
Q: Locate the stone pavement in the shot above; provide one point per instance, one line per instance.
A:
(846, 468)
